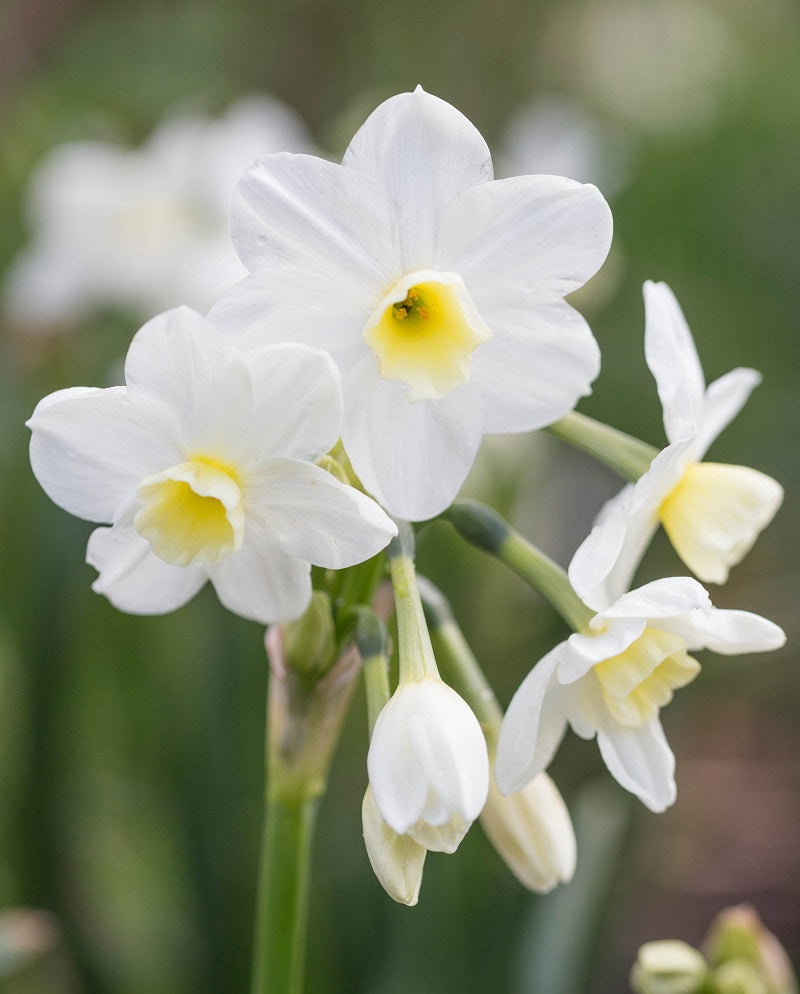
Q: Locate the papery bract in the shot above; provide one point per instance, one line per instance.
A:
(204, 466)
(438, 291)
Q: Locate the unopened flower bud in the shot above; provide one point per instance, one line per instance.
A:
(739, 934)
(309, 642)
(668, 967)
(532, 831)
(739, 976)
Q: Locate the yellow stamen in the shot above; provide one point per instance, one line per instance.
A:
(191, 512)
(424, 333)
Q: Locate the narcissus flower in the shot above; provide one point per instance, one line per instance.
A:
(612, 680)
(712, 513)
(204, 466)
(438, 291)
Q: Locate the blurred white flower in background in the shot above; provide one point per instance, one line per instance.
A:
(661, 65)
(557, 135)
(141, 229)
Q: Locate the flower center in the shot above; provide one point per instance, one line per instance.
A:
(191, 512)
(640, 680)
(715, 513)
(424, 332)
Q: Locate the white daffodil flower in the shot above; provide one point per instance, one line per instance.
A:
(428, 764)
(438, 291)
(532, 830)
(143, 229)
(612, 680)
(204, 466)
(712, 513)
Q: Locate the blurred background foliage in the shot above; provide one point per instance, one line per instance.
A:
(131, 748)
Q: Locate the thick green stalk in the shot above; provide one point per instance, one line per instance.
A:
(484, 528)
(303, 725)
(282, 909)
(629, 456)
(416, 659)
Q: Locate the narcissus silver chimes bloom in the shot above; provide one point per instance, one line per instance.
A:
(203, 464)
(438, 291)
(612, 680)
(712, 512)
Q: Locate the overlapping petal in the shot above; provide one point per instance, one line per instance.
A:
(540, 360)
(89, 447)
(542, 234)
(412, 457)
(313, 516)
(423, 153)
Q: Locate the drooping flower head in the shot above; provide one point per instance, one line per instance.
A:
(438, 291)
(612, 679)
(203, 465)
(712, 513)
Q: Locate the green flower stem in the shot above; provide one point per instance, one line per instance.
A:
(303, 725)
(484, 528)
(458, 664)
(372, 643)
(628, 456)
(417, 661)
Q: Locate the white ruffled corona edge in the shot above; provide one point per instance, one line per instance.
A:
(428, 764)
(712, 513)
(326, 243)
(612, 682)
(194, 408)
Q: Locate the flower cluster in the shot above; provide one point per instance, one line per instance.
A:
(399, 306)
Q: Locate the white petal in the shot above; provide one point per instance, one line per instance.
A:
(540, 360)
(133, 577)
(641, 761)
(313, 516)
(260, 581)
(605, 563)
(672, 357)
(731, 633)
(427, 759)
(665, 598)
(545, 234)
(297, 409)
(423, 153)
(533, 726)
(90, 448)
(440, 838)
(582, 652)
(254, 316)
(396, 860)
(412, 457)
(181, 362)
(724, 399)
(310, 227)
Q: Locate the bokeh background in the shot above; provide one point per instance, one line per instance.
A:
(131, 748)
